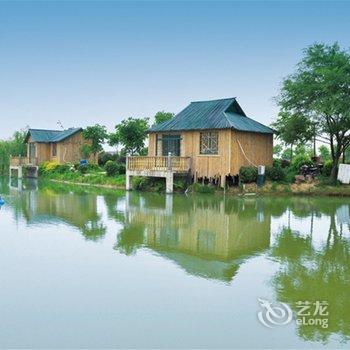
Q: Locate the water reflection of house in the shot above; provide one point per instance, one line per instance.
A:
(206, 238)
(46, 205)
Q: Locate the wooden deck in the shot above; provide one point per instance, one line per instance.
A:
(157, 166)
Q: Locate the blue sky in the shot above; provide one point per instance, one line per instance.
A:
(102, 61)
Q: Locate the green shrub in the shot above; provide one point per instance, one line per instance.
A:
(199, 188)
(327, 168)
(300, 160)
(63, 168)
(290, 175)
(83, 169)
(141, 182)
(328, 181)
(121, 168)
(104, 157)
(248, 174)
(276, 162)
(48, 167)
(180, 185)
(113, 168)
(93, 167)
(275, 173)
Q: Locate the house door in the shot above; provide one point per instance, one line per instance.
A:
(171, 143)
(32, 150)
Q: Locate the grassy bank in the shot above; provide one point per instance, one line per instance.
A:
(96, 176)
(157, 185)
(306, 189)
(100, 179)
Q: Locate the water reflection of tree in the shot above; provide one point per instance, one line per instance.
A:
(47, 202)
(310, 274)
(129, 239)
(111, 201)
(93, 230)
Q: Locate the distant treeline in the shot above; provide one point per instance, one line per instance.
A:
(13, 146)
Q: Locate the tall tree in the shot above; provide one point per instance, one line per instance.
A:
(113, 139)
(97, 135)
(293, 129)
(131, 133)
(162, 116)
(319, 89)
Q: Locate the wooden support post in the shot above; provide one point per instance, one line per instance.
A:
(223, 181)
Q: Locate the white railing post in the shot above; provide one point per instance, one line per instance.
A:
(127, 162)
(169, 161)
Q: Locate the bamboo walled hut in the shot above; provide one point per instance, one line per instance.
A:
(211, 140)
(60, 146)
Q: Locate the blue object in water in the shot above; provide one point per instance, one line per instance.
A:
(2, 201)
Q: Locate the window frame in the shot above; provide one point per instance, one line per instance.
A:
(211, 136)
(54, 150)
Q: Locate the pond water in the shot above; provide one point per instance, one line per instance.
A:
(83, 267)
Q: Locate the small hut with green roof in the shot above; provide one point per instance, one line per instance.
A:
(210, 139)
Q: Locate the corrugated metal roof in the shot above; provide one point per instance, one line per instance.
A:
(241, 123)
(41, 135)
(215, 114)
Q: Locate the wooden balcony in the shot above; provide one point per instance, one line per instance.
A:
(159, 164)
(157, 167)
(18, 161)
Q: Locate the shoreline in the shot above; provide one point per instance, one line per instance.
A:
(269, 189)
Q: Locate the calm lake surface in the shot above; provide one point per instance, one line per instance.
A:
(83, 267)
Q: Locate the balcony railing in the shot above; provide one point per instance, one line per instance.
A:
(23, 161)
(159, 163)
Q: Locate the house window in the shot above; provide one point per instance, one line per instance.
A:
(54, 149)
(166, 144)
(209, 142)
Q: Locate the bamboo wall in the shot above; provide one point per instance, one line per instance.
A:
(68, 151)
(257, 147)
(42, 151)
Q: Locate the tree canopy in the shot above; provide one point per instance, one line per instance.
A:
(14, 146)
(319, 90)
(162, 116)
(97, 135)
(131, 133)
(293, 129)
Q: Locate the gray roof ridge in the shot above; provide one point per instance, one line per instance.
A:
(44, 130)
(215, 99)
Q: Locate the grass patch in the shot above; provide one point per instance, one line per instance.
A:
(96, 178)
